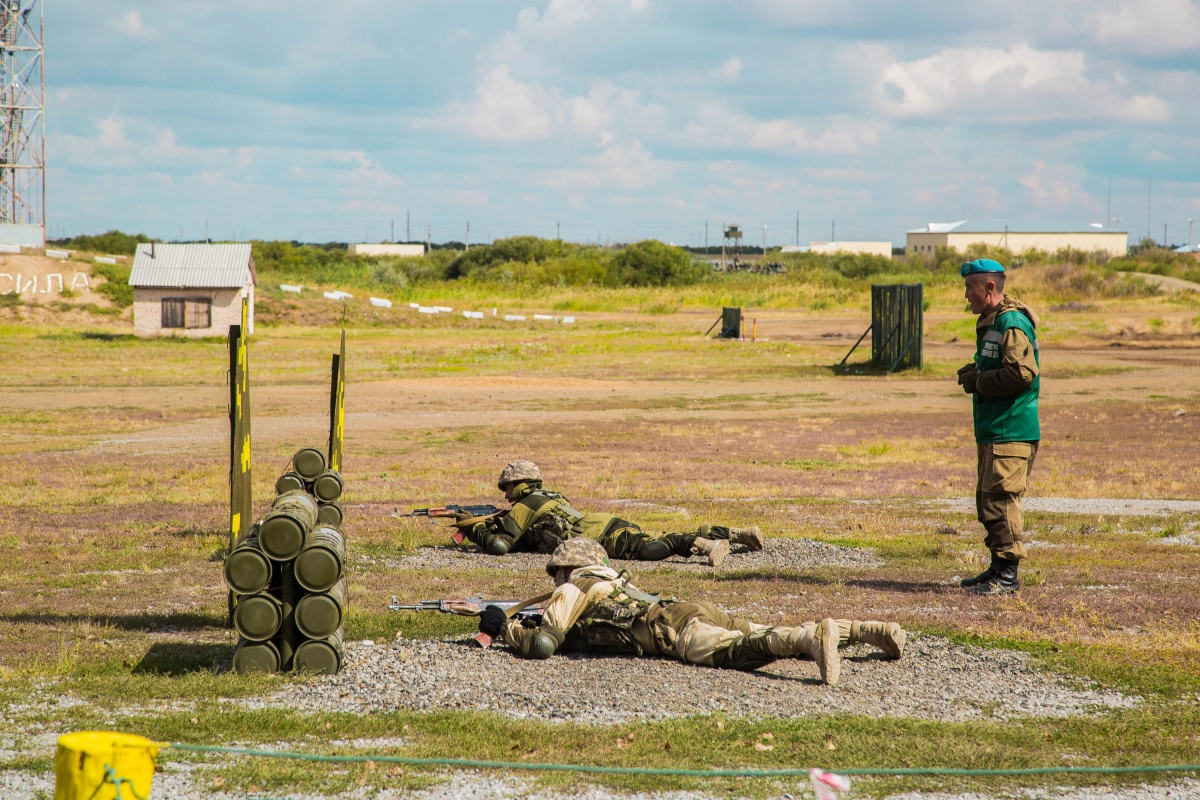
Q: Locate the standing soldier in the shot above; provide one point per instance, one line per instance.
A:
(1003, 383)
(595, 609)
(540, 520)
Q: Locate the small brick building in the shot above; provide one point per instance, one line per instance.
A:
(191, 289)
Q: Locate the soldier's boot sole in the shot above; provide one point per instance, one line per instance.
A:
(718, 552)
(829, 664)
(751, 537)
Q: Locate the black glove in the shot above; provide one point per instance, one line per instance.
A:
(491, 621)
(968, 380)
(964, 370)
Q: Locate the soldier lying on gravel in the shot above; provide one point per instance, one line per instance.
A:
(594, 609)
(541, 520)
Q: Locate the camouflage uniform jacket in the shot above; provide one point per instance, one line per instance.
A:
(539, 521)
(597, 610)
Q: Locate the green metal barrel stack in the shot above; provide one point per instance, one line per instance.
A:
(287, 575)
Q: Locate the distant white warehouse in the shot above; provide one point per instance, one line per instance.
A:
(871, 248)
(1017, 236)
(387, 250)
(191, 289)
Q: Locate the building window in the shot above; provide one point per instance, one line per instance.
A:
(181, 312)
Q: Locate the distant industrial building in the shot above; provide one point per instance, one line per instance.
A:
(387, 250)
(871, 248)
(1017, 237)
(191, 289)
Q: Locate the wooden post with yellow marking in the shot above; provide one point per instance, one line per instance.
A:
(241, 498)
(337, 407)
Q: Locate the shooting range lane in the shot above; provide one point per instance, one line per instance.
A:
(935, 680)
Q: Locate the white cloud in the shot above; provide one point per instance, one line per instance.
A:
(626, 164)
(110, 133)
(1148, 27)
(717, 127)
(131, 24)
(1020, 83)
(506, 109)
(1053, 186)
(730, 70)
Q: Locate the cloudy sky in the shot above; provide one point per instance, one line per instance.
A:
(618, 119)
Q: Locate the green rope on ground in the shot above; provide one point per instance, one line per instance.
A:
(701, 773)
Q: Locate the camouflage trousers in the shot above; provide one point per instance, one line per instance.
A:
(629, 541)
(1002, 474)
(697, 632)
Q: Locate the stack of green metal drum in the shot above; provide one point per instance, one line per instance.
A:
(287, 574)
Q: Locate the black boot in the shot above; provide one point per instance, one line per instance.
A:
(1003, 580)
(982, 577)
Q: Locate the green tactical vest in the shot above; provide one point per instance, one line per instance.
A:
(608, 628)
(532, 507)
(1013, 418)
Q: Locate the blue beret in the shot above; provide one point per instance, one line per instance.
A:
(980, 265)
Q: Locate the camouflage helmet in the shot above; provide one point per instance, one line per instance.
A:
(577, 552)
(518, 471)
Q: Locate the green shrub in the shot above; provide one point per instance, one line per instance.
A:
(116, 286)
(114, 242)
(652, 263)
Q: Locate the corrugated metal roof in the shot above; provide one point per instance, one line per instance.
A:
(193, 266)
(1013, 226)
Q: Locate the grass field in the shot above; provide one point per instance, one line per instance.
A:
(112, 521)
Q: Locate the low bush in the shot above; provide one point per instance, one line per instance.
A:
(114, 242)
(116, 283)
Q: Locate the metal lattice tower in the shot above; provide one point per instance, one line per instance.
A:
(22, 117)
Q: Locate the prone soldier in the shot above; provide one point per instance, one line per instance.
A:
(540, 520)
(598, 610)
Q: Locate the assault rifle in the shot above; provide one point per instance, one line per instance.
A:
(473, 607)
(452, 512)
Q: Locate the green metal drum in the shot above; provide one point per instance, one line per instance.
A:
(289, 482)
(255, 657)
(319, 615)
(247, 568)
(257, 617)
(321, 656)
(319, 565)
(327, 486)
(281, 534)
(309, 462)
(330, 514)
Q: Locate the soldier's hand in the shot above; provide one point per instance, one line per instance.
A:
(969, 380)
(491, 621)
(964, 370)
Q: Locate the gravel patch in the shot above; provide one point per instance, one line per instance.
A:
(1186, 789)
(1094, 505)
(935, 680)
(778, 553)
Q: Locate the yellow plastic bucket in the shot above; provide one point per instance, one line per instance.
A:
(103, 765)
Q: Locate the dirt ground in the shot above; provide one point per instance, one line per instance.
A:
(112, 521)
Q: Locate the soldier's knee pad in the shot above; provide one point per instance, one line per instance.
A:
(498, 547)
(543, 646)
(654, 550)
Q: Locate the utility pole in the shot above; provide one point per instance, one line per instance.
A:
(407, 228)
(393, 239)
(429, 239)
(1165, 235)
(833, 231)
(467, 243)
(1149, 199)
(558, 230)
